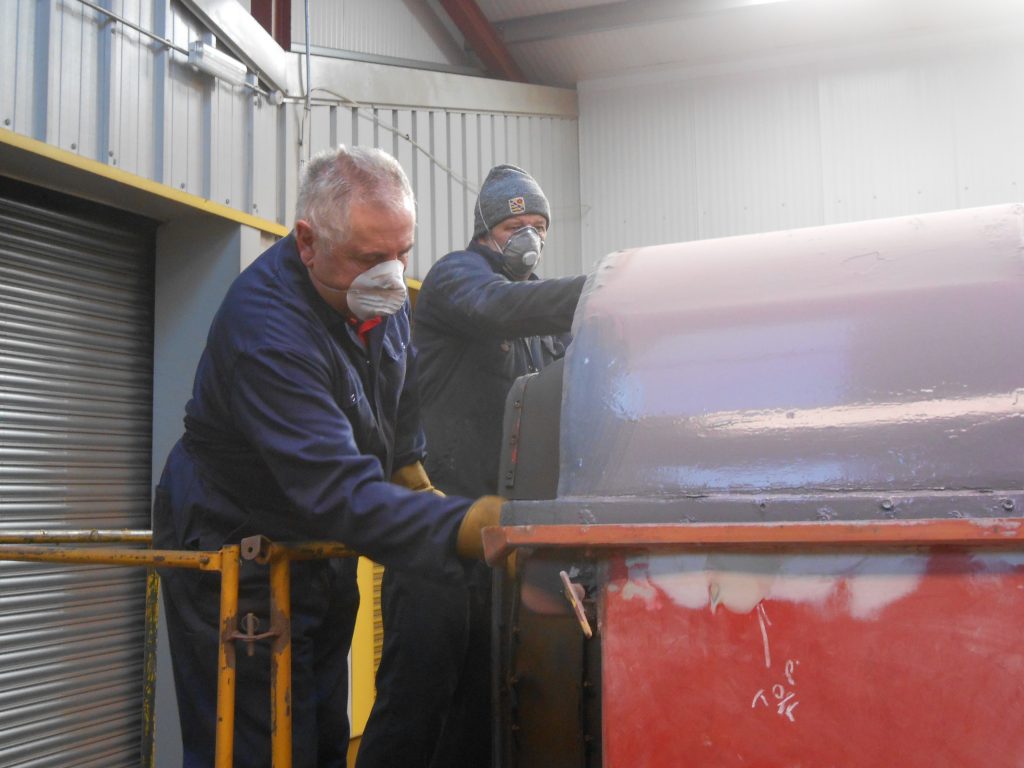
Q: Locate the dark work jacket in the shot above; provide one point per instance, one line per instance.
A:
(294, 426)
(476, 331)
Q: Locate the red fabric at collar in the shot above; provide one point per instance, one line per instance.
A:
(364, 327)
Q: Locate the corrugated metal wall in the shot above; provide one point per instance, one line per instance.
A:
(452, 154)
(78, 80)
(83, 82)
(386, 28)
(76, 341)
(673, 160)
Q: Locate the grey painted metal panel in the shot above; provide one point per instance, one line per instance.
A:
(859, 358)
(986, 124)
(318, 133)
(440, 148)
(184, 132)
(264, 163)
(423, 89)
(749, 132)
(423, 174)
(228, 114)
(389, 28)
(45, 51)
(889, 131)
(9, 63)
(452, 153)
(456, 200)
(665, 161)
(132, 127)
(76, 298)
(75, 122)
(89, 84)
(472, 171)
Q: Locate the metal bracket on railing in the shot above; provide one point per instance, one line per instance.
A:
(251, 623)
(256, 548)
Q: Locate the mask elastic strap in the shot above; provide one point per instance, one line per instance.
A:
(494, 242)
(480, 210)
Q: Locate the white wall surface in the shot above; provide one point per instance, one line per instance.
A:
(670, 157)
(398, 29)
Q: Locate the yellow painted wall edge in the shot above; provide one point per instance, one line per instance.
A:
(73, 162)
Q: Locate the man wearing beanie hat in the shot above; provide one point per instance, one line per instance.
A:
(483, 318)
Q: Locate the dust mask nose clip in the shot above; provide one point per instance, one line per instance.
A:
(379, 291)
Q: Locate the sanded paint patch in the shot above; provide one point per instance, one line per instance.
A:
(739, 582)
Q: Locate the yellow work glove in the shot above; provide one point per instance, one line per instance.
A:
(484, 513)
(414, 477)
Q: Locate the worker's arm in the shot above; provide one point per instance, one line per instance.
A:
(286, 403)
(464, 296)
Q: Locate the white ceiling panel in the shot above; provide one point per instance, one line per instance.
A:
(499, 10)
(563, 42)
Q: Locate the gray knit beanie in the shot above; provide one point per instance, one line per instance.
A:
(507, 191)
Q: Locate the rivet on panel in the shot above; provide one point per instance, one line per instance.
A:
(1008, 505)
(887, 505)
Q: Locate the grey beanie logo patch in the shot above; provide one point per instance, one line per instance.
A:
(517, 205)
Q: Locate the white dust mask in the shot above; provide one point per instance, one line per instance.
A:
(379, 291)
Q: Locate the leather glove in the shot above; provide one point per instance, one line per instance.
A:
(414, 477)
(484, 513)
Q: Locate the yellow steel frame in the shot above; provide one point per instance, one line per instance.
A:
(50, 547)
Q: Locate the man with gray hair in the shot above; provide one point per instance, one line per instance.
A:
(303, 408)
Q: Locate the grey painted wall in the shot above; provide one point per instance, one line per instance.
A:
(197, 257)
(676, 156)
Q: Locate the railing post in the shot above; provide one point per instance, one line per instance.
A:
(149, 667)
(281, 662)
(229, 556)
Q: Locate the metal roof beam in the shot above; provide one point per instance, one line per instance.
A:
(617, 15)
(483, 39)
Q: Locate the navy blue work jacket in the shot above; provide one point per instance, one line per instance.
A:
(476, 331)
(294, 427)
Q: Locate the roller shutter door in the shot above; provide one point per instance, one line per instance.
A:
(76, 341)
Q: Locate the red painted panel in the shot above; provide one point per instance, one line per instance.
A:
(907, 659)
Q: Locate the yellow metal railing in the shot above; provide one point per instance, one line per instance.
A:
(51, 547)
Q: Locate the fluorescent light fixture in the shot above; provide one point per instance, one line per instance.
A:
(206, 58)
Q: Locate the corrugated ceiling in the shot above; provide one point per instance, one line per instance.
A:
(563, 42)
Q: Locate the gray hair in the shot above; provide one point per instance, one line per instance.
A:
(335, 178)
